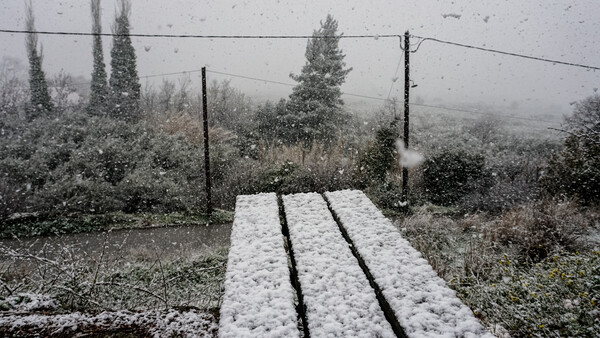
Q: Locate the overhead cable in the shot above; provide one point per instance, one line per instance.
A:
(361, 36)
(501, 52)
(202, 36)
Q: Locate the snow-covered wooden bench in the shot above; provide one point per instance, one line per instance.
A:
(347, 273)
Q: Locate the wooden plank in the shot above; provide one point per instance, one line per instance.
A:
(259, 298)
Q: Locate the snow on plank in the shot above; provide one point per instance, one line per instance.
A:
(259, 298)
(424, 305)
(338, 298)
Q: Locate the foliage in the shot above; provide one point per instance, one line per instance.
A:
(450, 175)
(228, 107)
(575, 172)
(99, 86)
(386, 195)
(274, 123)
(124, 80)
(94, 165)
(379, 158)
(557, 297)
(315, 103)
(40, 98)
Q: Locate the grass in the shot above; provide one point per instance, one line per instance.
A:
(34, 225)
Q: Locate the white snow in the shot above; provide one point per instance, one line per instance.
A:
(338, 298)
(159, 323)
(259, 298)
(424, 305)
(26, 302)
(408, 158)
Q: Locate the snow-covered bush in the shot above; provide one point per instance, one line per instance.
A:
(379, 158)
(96, 165)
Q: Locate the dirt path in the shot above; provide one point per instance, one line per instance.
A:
(132, 244)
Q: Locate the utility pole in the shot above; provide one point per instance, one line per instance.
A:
(406, 96)
(206, 150)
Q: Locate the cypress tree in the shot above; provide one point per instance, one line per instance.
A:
(124, 80)
(316, 102)
(40, 98)
(99, 86)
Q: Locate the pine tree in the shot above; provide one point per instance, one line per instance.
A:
(316, 102)
(99, 86)
(124, 80)
(40, 98)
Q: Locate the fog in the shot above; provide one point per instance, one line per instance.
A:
(560, 30)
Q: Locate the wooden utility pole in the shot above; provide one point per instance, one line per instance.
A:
(406, 96)
(206, 150)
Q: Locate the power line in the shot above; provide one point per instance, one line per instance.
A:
(196, 36)
(288, 84)
(360, 36)
(251, 78)
(396, 73)
(502, 52)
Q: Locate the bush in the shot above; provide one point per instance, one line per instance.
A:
(504, 185)
(79, 163)
(575, 172)
(449, 176)
(379, 158)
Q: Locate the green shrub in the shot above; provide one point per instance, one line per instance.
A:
(575, 172)
(78, 163)
(379, 158)
(450, 175)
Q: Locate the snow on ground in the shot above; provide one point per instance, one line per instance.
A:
(424, 305)
(338, 298)
(259, 298)
(165, 323)
(27, 302)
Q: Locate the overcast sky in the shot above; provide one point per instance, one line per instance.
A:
(562, 30)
